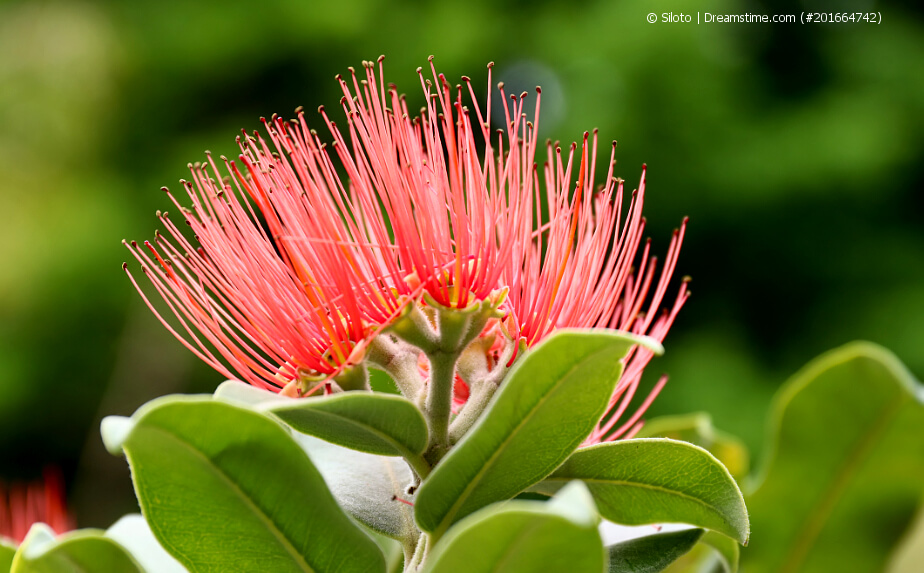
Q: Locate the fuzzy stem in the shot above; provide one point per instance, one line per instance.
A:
(483, 384)
(477, 402)
(438, 405)
(399, 360)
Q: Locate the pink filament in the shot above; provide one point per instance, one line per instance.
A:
(430, 204)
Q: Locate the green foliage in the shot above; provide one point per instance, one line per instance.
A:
(839, 489)
(698, 429)
(7, 551)
(547, 405)
(652, 553)
(84, 551)
(394, 556)
(843, 477)
(374, 423)
(656, 480)
(366, 486)
(727, 551)
(558, 536)
(225, 487)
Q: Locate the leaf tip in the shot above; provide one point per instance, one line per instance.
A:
(115, 430)
(744, 536)
(39, 540)
(649, 343)
(575, 502)
(242, 394)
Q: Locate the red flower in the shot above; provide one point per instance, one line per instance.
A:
(588, 276)
(22, 505)
(277, 306)
(467, 222)
(430, 205)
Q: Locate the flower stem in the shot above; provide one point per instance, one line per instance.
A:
(438, 405)
(477, 402)
(399, 360)
(483, 383)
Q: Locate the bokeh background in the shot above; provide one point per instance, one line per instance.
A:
(796, 150)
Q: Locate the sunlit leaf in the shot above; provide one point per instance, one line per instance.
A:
(698, 429)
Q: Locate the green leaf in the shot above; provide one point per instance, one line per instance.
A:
(698, 429)
(727, 551)
(83, 551)
(844, 471)
(547, 406)
(366, 486)
(394, 555)
(525, 536)
(382, 382)
(133, 533)
(225, 488)
(651, 553)
(7, 551)
(656, 480)
(382, 424)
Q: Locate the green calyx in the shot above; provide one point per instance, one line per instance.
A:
(442, 333)
(354, 377)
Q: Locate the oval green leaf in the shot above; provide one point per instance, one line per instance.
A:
(844, 471)
(547, 406)
(697, 429)
(559, 536)
(83, 551)
(382, 424)
(656, 480)
(225, 488)
(651, 553)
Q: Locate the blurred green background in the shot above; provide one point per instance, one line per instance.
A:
(795, 150)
